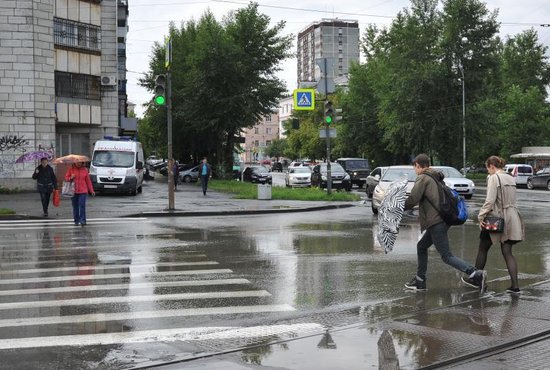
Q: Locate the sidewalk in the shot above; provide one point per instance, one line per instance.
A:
(153, 202)
(496, 331)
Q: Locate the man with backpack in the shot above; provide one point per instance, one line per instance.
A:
(426, 193)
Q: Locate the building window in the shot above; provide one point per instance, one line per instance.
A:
(79, 86)
(267, 142)
(256, 130)
(268, 130)
(76, 35)
(257, 143)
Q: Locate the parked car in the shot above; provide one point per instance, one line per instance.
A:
(540, 180)
(277, 166)
(357, 168)
(520, 172)
(372, 180)
(163, 170)
(298, 176)
(297, 164)
(340, 178)
(455, 180)
(258, 174)
(189, 175)
(392, 173)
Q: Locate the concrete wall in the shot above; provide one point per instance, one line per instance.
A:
(26, 86)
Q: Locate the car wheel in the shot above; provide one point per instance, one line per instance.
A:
(530, 185)
(468, 196)
(548, 185)
(133, 191)
(187, 179)
(374, 210)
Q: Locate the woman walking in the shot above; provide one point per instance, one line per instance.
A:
(500, 202)
(82, 186)
(46, 182)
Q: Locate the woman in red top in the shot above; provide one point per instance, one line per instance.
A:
(82, 186)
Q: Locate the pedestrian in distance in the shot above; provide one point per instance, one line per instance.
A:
(46, 183)
(205, 171)
(500, 202)
(425, 193)
(176, 172)
(78, 174)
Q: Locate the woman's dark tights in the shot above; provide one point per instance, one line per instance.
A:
(506, 248)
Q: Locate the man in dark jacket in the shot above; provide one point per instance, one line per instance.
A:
(425, 193)
(205, 172)
(46, 182)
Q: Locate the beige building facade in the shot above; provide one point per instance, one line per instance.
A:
(259, 137)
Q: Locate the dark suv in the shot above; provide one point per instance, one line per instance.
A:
(357, 168)
(340, 179)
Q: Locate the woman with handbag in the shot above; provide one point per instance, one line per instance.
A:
(500, 221)
(78, 174)
(46, 183)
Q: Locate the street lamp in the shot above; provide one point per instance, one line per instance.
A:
(461, 68)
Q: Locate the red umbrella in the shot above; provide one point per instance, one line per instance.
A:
(34, 156)
(71, 158)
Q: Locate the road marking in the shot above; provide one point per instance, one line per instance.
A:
(64, 223)
(4, 266)
(141, 315)
(133, 299)
(163, 335)
(70, 220)
(106, 267)
(96, 288)
(114, 276)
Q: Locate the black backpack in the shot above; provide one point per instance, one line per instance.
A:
(452, 206)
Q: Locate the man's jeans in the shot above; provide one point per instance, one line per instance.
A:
(204, 183)
(437, 235)
(45, 199)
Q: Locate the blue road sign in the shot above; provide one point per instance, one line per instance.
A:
(304, 99)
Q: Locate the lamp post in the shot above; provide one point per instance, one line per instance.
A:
(464, 40)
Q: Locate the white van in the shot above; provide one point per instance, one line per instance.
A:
(117, 166)
(520, 172)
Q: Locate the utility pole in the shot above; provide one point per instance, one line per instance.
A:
(168, 65)
(328, 112)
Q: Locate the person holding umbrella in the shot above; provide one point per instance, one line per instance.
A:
(46, 182)
(82, 186)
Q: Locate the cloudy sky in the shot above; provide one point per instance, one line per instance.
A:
(149, 21)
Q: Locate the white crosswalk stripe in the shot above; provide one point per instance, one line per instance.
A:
(63, 285)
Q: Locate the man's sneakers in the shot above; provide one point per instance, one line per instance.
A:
(416, 284)
(480, 280)
(469, 281)
(513, 290)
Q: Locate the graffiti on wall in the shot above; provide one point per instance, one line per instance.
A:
(11, 147)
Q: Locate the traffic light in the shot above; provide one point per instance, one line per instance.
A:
(338, 115)
(160, 90)
(329, 112)
(295, 124)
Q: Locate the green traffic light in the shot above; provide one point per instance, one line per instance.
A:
(160, 100)
(328, 119)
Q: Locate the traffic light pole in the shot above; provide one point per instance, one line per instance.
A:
(171, 203)
(327, 132)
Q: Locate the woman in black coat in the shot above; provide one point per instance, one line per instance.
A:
(46, 182)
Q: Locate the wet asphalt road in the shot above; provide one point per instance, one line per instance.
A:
(123, 292)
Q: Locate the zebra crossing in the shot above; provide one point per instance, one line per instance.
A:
(119, 281)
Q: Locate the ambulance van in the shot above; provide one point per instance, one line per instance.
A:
(117, 166)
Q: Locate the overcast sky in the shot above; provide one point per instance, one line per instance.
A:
(149, 19)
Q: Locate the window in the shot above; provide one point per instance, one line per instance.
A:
(268, 142)
(76, 35)
(268, 118)
(72, 85)
(257, 143)
(256, 130)
(268, 130)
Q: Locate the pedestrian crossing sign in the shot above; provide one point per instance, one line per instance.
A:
(304, 99)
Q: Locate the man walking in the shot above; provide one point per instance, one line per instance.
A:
(425, 193)
(205, 171)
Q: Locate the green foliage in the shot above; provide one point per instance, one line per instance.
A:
(6, 211)
(246, 190)
(407, 97)
(223, 81)
(277, 148)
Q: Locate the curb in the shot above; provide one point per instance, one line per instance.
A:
(236, 212)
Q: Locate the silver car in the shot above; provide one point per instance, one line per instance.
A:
(455, 180)
(190, 175)
(392, 173)
(298, 177)
(372, 180)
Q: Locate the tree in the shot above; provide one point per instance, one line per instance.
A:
(277, 148)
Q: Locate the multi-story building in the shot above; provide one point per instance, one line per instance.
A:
(261, 136)
(285, 114)
(337, 39)
(59, 88)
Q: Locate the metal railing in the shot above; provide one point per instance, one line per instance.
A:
(77, 35)
(78, 86)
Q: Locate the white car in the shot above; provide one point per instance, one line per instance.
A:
(298, 176)
(455, 180)
(392, 173)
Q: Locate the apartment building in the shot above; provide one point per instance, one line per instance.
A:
(337, 39)
(59, 78)
(261, 136)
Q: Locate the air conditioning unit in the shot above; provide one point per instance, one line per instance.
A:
(108, 80)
